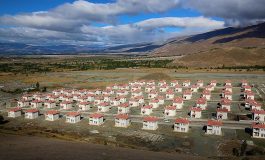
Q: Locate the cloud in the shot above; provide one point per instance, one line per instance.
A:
(68, 16)
(234, 12)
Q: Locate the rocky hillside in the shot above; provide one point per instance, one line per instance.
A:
(229, 46)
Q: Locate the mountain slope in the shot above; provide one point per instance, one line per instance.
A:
(229, 46)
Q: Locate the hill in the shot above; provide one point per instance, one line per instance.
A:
(229, 47)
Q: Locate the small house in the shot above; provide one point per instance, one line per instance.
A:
(199, 83)
(170, 94)
(73, 117)
(104, 107)
(170, 111)
(181, 125)
(187, 95)
(31, 113)
(173, 83)
(123, 108)
(14, 112)
(178, 102)
(66, 105)
(226, 104)
(96, 119)
(258, 130)
(186, 83)
(178, 88)
(150, 123)
(259, 115)
(195, 112)
(152, 94)
(213, 83)
(194, 88)
(49, 104)
(146, 110)
(154, 103)
(122, 120)
(51, 115)
(221, 113)
(36, 104)
(214, 127)
(133, 102)
(201, 103)
(84, 106)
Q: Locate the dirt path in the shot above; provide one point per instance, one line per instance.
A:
(14, 147)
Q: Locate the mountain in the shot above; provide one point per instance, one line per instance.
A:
(29, 49)
(229, 47)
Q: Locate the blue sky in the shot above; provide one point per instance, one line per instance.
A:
(114, 22)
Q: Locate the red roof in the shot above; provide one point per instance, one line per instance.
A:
(151, 119)
(66, 102)
(104, 104)
(85, 103)
(122, 116)
(16, 109)
(154, 101)
(225, 101)
(206, 92)
(197, 109)
(259, 111)
(49, 101)
(213, 81)
(124, 105)
(227, 92)
(178, 100)
(73, 114)
(201, 101)
(214, 123)
(187, 92)
(32, 110)
(258, 125)
(148, 107)
(222, 110)
(96, 115)
(182, 120)
(53, 112)
(36, 101)
(170, 108)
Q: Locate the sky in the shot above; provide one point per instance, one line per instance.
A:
(115, 22)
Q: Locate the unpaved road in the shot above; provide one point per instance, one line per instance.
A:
(13, 147)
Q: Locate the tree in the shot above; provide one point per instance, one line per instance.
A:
(38, 85)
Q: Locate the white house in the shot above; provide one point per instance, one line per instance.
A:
(31, 113)
(122, 120)
(154, 103)
(149, 88)
(73, 117)
(227, 95)
(226, 104)
(133, 102)
(244, 83)
(150, 123)
(27, 97)
(96, 119)
(228, 83)
(187, 95)
(84, 106)
(214, 127)
(199, 83)
(123, 108)
(201, 103)
(195, 112)
(186, 83)
(259, 115)
(178, 102)
(170, 94)
(137, 93)
(98, 100)
(246, 88)
(146, 110)
(36, 104)
(173, 83)
(221, 113)
(178, 88)
(14, 112)
(50, 104)
(115, 101)
(161, 100)
(66, 105)
(254, 105)
(181, 125)
(206, 94)
(213, 83)
(228, 88)
(170, 111)
(162, 83)
(163, 88)
(209, 87)
(152, 94)
(194, 88)
(258, 130)
(104, 107)
(51, 115)
(250, 95)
